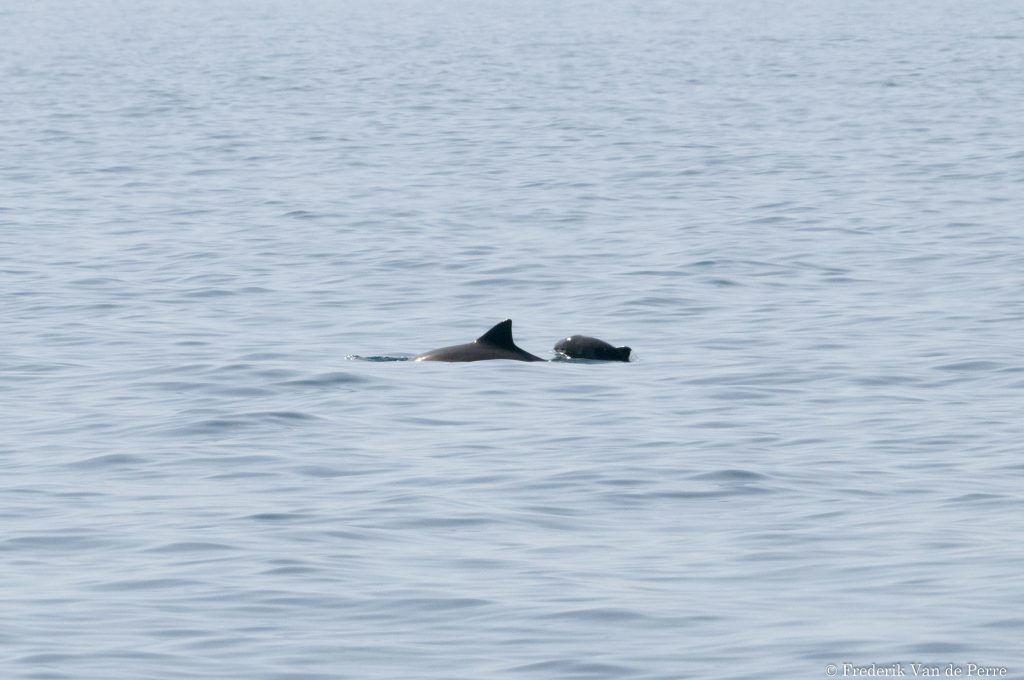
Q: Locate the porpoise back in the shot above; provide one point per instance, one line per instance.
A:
(497, 343)
(586, 347)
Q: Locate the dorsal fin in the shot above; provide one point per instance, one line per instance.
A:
(500, 335)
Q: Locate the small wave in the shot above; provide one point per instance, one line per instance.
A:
(978, 498)
(325, 380)
(433, 604)
(209, 293)
(384, 357)
(321, 471)
(66, 541)
(190, 547)
(277, 517)
(282, 416)
(176, 386)
(938, 648)
(241, 421)
(738, 490)
(1016, 623)
(571, 668)
(605, 614)
(179, 584)
(98, 281)
(730, 475)
(970, 366)
(107, 461)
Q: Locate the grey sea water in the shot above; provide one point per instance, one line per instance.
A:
(805, 218)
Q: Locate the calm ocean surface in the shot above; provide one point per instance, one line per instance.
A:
(807, 219)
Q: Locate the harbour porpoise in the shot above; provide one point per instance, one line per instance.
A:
(585, 347)
(496, 343)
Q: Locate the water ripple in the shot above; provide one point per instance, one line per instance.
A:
(225, 233)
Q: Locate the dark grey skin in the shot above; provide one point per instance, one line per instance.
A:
(496, 343)
(585, 347)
